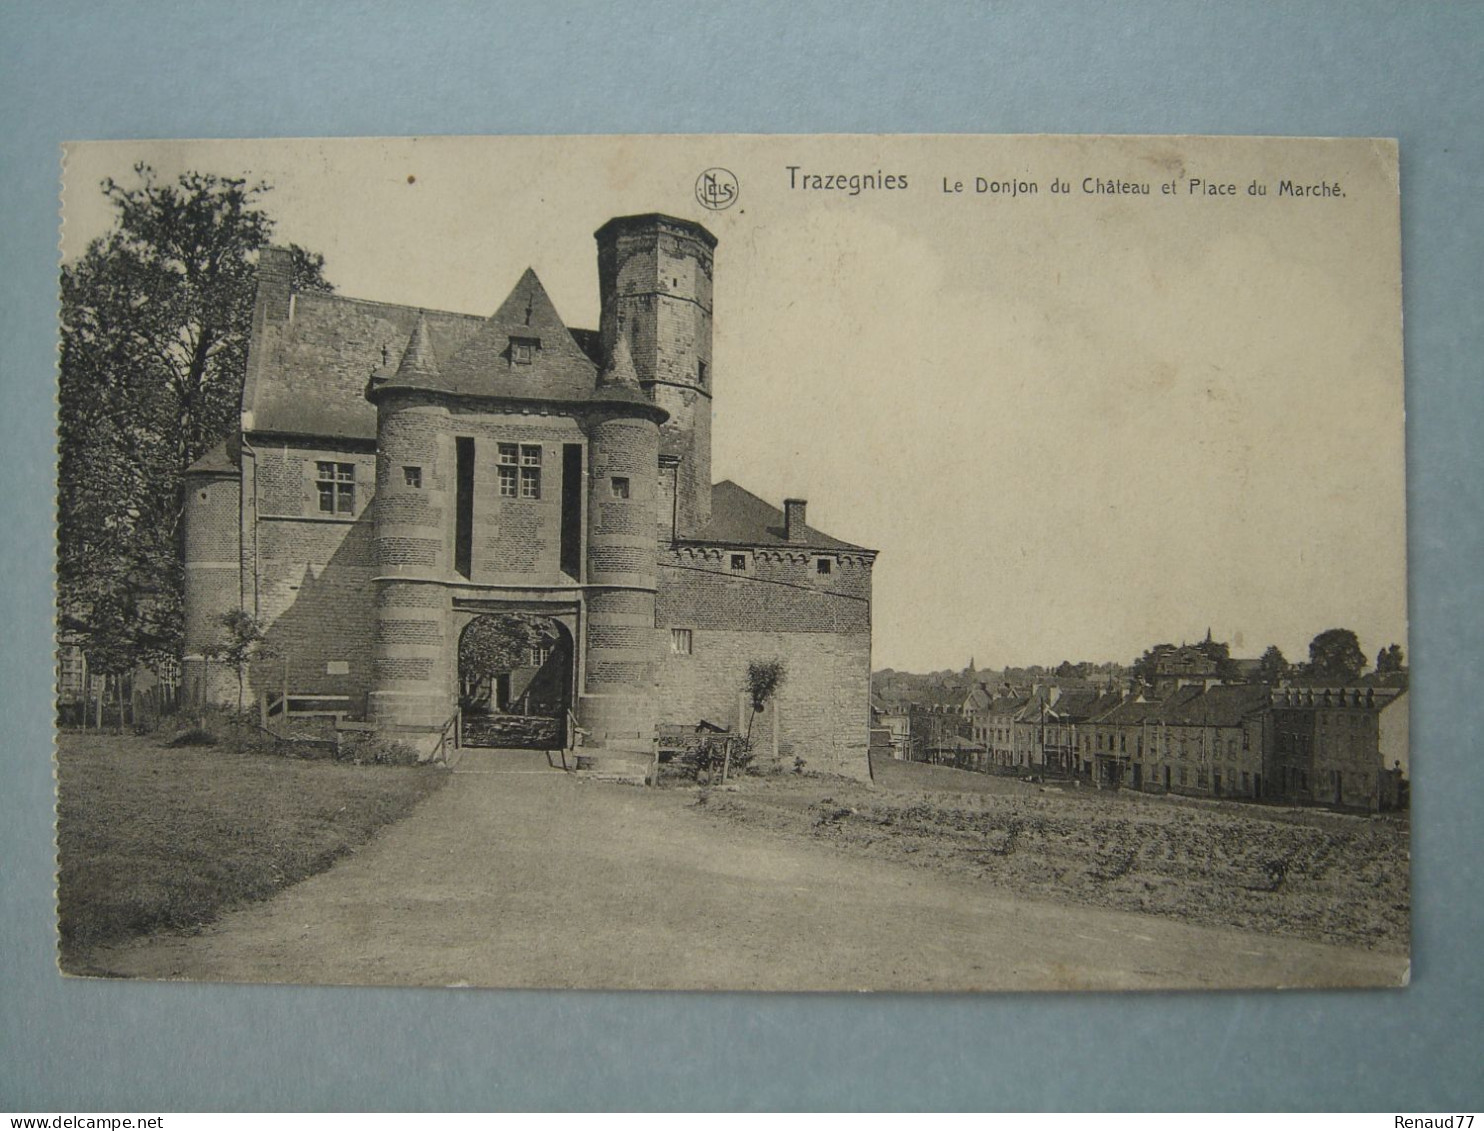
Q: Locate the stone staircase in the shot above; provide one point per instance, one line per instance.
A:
(591, 763)
(610, 763)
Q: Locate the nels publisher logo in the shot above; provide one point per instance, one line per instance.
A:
(717, 189)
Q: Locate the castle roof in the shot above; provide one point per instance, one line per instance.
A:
(521, 352)
(307, 375)
(740, 518)
(220, 459)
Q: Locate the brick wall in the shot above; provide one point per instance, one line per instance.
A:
(823, 707)
(313, 573)
(780, 608)
(779, 591)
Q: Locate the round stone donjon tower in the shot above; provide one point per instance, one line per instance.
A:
(618, 705)
(654, 278)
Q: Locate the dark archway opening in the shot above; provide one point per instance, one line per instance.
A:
(515, 681)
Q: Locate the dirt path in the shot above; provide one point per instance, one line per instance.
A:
(537, 879)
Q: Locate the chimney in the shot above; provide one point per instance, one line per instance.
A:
(793, 519)
(275, 284)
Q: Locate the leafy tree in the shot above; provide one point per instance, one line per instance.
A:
(1335, 655)
(1390, 660)
(1219, 652)
(155, 321)
(246, 641)
(764, 678)
(500, 643)
(1272, 668)
(1145, 666)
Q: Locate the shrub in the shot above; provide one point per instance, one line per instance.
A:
(710, 755)
(371, 749)
(195, 736)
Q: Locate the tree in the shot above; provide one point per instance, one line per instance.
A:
(155, 321)
(1273, 667)
(1335, 655)
(495, 644)
(764, 678)
(1390, 660)
(246, 641)
(1219, 652)
(1145, 667)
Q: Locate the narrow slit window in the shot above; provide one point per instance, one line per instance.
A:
(463, 539)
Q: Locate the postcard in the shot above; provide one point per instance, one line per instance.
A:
(779, 563)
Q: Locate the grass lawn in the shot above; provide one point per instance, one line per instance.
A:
(152, 838)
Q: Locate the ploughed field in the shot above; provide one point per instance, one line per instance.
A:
(1312, 874)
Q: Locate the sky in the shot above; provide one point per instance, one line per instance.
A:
(1074, 424)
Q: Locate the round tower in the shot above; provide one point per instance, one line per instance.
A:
(618, 704)
(654, 278)
(213, 564)
(413, 665)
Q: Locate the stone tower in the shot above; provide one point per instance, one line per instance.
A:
(654, 278)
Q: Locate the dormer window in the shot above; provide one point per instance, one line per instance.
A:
(523, 350)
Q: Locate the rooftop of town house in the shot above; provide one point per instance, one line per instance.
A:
(1224, 705)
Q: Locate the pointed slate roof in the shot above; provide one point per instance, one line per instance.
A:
(220, 459)
(620, 368)
(418, 363)
(493, 362)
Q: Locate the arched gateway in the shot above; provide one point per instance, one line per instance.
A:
(516, 680)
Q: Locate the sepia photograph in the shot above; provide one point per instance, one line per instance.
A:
(729, 562)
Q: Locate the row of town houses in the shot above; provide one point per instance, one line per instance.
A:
(1340, 746)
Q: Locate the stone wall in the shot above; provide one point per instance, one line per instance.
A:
(311, 572)
(779, 608)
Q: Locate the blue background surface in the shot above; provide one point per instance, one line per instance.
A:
(214, 69)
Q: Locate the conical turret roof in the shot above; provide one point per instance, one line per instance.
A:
(419, 364)
(620, 368)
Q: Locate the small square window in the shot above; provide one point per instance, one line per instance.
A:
(823, 566)
(620, 487)
(523, 350)
(509, 454)
(530, 455)
(412, 476)
(680, 641)
(739, 563)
